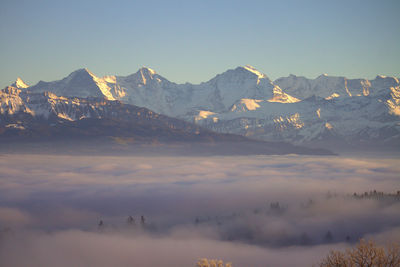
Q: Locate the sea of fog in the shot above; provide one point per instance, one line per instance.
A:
(58, 210)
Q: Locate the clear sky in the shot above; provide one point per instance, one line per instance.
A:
(192, 41)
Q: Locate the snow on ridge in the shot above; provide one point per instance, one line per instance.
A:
(331, 86)
(19, 83)
(255, 71)
(246, 104)
(151, 71)
(203, 114)
(332, 96)
(281, 97)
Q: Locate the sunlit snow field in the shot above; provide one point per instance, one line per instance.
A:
(251, 211)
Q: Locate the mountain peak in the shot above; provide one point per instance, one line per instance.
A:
(147, 70)
(254, 70)
(82, 71)
(19, 83)
(323, 75)
(143, 75)
(80, 75)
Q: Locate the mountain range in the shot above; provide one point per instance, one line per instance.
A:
(326, 111)
(45, 122)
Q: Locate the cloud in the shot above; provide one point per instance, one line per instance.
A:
(78, 248)
(211, 207)
(13, 217)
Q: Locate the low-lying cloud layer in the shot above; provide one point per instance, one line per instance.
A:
(77, 248)
(258, 210)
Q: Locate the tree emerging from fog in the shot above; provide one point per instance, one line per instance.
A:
(365, 254)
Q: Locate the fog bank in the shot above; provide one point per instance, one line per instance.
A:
(253, 210)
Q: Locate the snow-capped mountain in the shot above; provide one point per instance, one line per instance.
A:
(332, 111)
(20, 108)
(148, 89)
(314, 121)
(19, 83)
(80, 83)
(33, 116)
(323, 111)
(329, 87)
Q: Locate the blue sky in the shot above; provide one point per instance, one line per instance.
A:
(192, 41)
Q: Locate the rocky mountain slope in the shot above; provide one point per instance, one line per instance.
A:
(26, 116)
(327, 111)
(44, 114)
